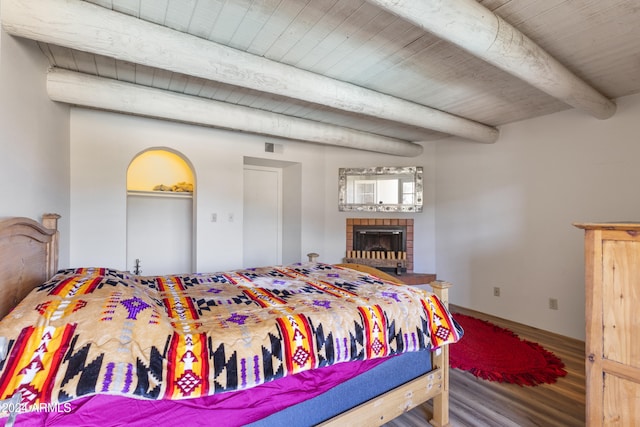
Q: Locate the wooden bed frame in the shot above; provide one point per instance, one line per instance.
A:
(29, 257)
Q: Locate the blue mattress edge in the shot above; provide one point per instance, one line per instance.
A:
(388, 375)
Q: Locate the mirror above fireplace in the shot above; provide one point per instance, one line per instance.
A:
(380, 189)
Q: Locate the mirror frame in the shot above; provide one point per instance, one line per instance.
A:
(343, 206)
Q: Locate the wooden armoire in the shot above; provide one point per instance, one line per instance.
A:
(612, 297)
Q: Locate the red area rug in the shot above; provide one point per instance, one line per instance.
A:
(497, 354)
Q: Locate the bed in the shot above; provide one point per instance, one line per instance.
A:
(236, 347)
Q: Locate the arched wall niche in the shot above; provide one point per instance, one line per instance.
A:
(160, 213)
(159, 166)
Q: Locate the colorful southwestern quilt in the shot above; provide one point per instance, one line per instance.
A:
(101, 331)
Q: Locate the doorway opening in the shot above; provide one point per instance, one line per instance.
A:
(272, 212)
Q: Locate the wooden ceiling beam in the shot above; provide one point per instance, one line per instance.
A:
(479, 31)
(107, 94)
(86, 27)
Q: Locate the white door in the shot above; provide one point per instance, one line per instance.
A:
(159, 234)
(262, 217)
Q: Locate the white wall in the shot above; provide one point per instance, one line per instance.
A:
(34, 139)
(103, 144)
(424, 222)
(505, 211)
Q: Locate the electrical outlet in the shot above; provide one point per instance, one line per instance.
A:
(496, 291)
(553, 303)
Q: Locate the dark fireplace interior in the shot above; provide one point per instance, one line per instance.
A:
(379, 238)
(382, 238)
(383, 243)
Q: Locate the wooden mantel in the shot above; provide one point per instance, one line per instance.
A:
(416, 278)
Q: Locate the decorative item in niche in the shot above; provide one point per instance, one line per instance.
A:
(180, 187)
(380, 189)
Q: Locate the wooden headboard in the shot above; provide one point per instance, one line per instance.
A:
(28, 257)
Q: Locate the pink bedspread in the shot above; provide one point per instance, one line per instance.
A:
(231, 409)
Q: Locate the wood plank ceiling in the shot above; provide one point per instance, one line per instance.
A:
(361, 74)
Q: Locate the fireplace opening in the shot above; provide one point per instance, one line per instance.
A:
(381, 246)
(379, 238)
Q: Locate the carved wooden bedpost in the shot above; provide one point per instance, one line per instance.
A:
(50, 221)
(441, 360)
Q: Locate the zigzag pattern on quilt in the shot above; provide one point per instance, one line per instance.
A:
(96, 330)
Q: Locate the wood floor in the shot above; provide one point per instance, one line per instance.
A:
(479, 403)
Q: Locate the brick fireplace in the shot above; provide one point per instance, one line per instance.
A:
(387, 239)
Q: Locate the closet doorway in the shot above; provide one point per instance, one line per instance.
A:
(262, 217)
(160, 189)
